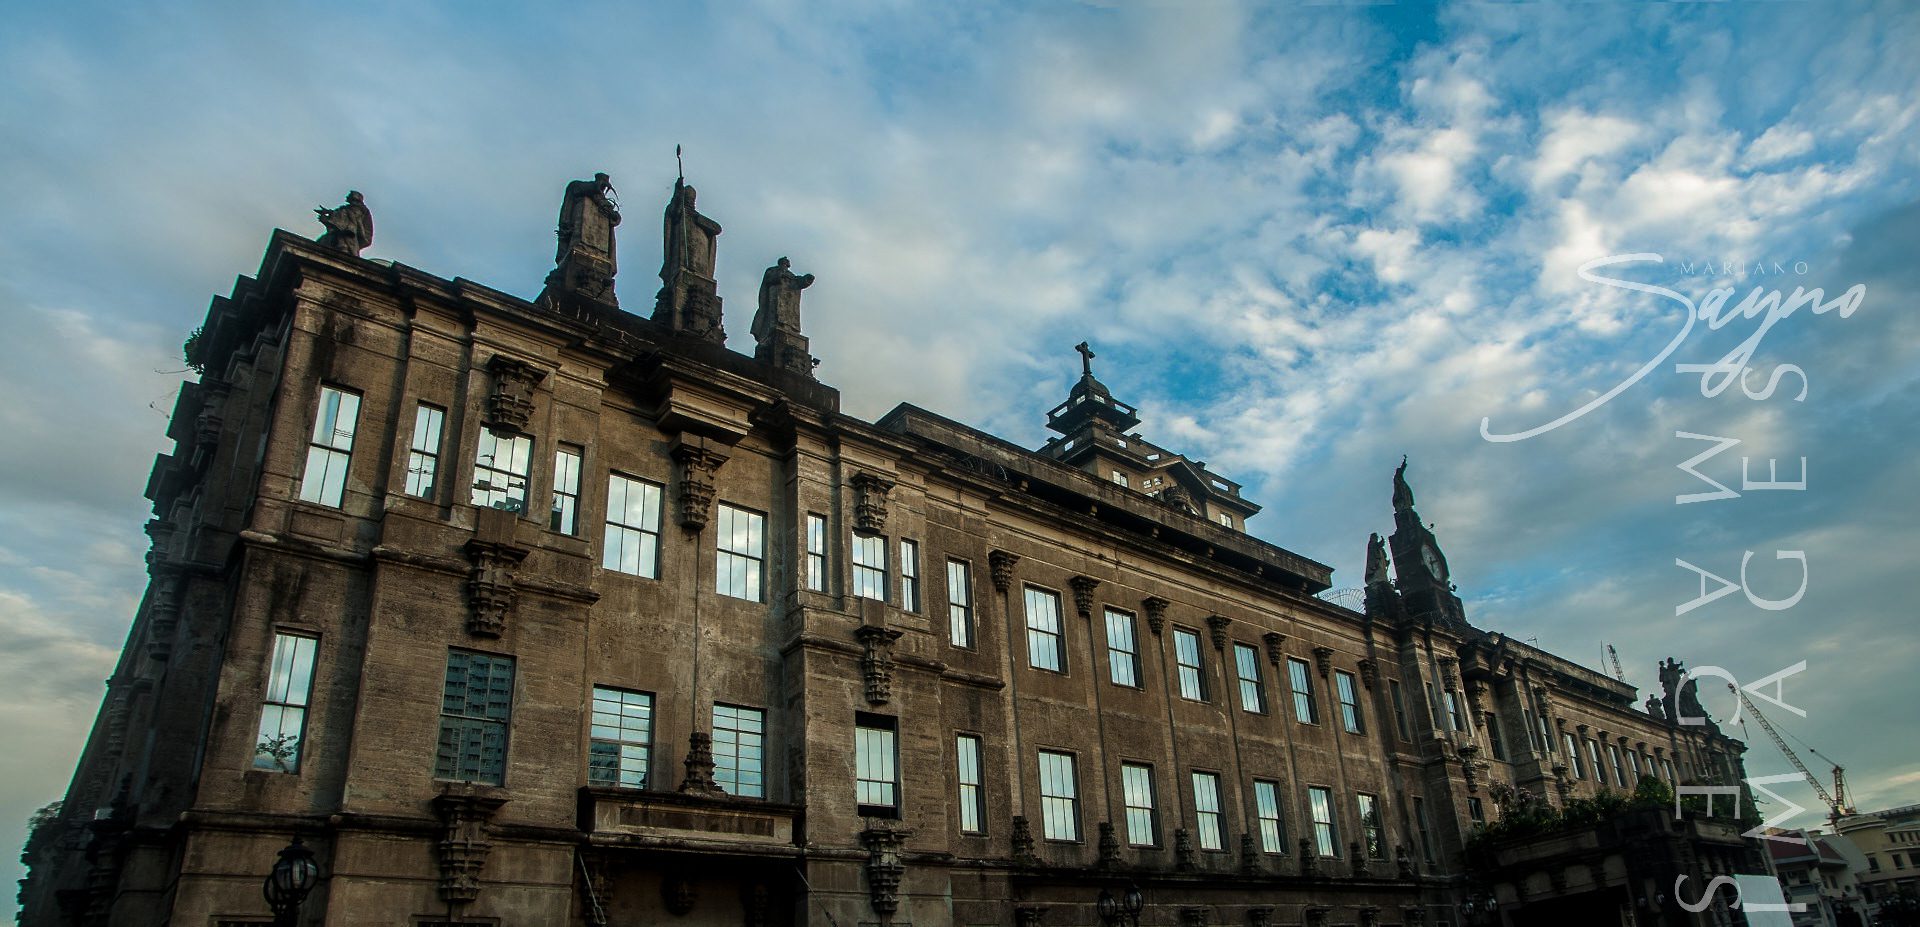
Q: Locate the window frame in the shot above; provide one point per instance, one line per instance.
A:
(1049, 802)
(1195, 671)
(1267, 812)
(647, 555)
(333, 452)
(870, 732)
(1054, 639)
(1426, 836)
(467, 723)
(909, 575)
(621, 699)
(1326, 833)
(520, 450)
(1399, 699)
(976, 800)
(1495, 741)
(739, 573)
(423, 450)
(1247, 657)
(564, 518)
(869, 581)
(1306, 710)
(1346, 689)
(1208, 821)
(1373, 835)
(960, 627)
(815, 545)
(734, 770)
(1593, 754)
(1129, 808)
(1572, 746)
(1619, 765)
(279, 698)
(1127, 656)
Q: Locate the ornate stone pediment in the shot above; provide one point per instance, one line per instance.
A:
(884, 867)
(510, 402)
(490, 585)
(465, 813)
(696, 462)
(876, 663)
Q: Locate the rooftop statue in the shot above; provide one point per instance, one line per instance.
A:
(349, 226)
(689, 300)
(1402, 493)
(1376, 560)
(779, 300)
(584, 259)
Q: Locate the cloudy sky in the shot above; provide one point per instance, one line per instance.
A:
(1304, 239)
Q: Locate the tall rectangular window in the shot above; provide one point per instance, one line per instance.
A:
(1136, 787)
(476, 707)
(283, 720)
(1599, 770)
(816, 552)
(423, 452)
(1426, 835)
(1206, 811)
(1546, 732)
(1476, 811)
(1266, 807)
(739, 738)
(909, 575)
(1304, 709)
(1349, 694)
(500, 467)
(1633, 760)
(1453, 711)
(1619, 766)
(1320, 802)
(1045, 649)
(1371, 827)
(973, 810)
(1186, 653)
(1533, 733)
(331, 448)
(870, 566)
(740, 537)
(633, 527)
(960, 603)
(621, 738)
(1123, 650)
(566, 490)
(1246, 666)
(1399, 709)
(1494, 738)
(1121, 479)
(1059, 797)
(1573, 756)
(876, 766)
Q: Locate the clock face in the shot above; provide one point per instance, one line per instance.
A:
(1435, 566)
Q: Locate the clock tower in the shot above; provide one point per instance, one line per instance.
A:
(1418, 564)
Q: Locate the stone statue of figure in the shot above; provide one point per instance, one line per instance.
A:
(690, 237)
(1655, 709)
(1376, 560)
(1402, 493)
(588, 216)
(1690, 707)
(779, 300)
(349, 226)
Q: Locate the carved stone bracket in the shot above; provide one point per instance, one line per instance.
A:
(876, 664)
(1274, 641)
(1260, 917)
(1183, 858)
(884, 867)
(1309, 861)
(1109, 846)
(696, 462)
(1449, 672)
(1217, 629)
(699, 764)
(1028, 915)
(678, 893)
(1404, 861)
(1193, 916)
(1323, 660)
(161, 531)
(870, 503)
(1370, 916)
(1369, 673)
(1156, 609)
(464, 812)
(1000, 565)
(1249, 855)
(1316, 915)
(510, 403)
(1357, 858)
(1022, 839)
(1414, 915)
(1083, 587)
(163, 612)
(490, 590)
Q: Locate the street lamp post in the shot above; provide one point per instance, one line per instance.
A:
(287, 885)
(1122, 910)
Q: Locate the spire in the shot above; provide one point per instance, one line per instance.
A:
(1090, 401)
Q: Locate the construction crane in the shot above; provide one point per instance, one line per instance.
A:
(1614, 655)
(1836, 807)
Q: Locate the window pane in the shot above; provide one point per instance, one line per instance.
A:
(632, 538)
(1044, 649)
(737, 746)
(1059, 810)
(909, 575)
(1321, 802)
(816, 552)
(622, 734)
(1186, 653)
(1266, 799)
(1246, 665)
(739, 535)
(279, 743)
(476, 706)
(870, 567)
(1350, 718)
(960, 603)
(1123, 655)
(875, 782)
(1303, 707)
(1136, 783)
(1206, 807)
(972, 806)
(329, 450)
(500, 470)
(423, 453)
(566, 491)
(1370, 827)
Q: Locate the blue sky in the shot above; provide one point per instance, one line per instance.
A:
(1304, 239)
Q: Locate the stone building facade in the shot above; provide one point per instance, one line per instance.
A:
(550, 612)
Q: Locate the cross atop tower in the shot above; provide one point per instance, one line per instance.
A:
(1086, 358)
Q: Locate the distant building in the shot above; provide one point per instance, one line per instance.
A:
(546, 612)
(1889, 842)
(1814, 872)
